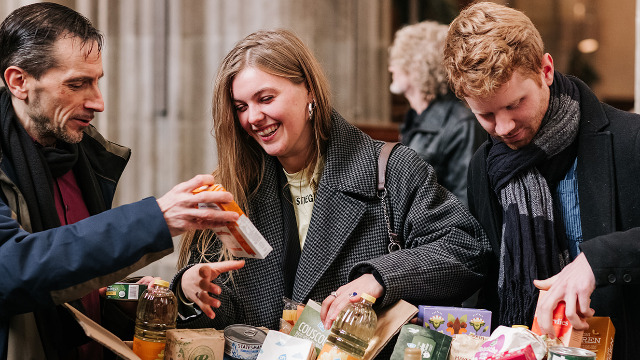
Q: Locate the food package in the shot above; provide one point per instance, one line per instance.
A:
(189, 344)
(125, 291)
(465, 346)
(310, 327)
(505, 339)
(242, 238)
(561, 325)
(599, 337)
(432, 344)
(277, 346)
(521, 354)
(454, 320)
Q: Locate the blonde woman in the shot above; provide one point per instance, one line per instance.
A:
(307, 180)
(439, 127)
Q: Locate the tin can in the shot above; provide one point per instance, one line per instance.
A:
(125, 291)
(570, 353)
(242, 341)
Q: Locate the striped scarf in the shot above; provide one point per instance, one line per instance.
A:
(533, 244)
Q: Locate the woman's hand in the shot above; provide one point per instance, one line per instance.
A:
(348, 293)
(196, 283)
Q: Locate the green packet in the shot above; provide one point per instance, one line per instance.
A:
(125, 291)
(310, 327)
(434, 345)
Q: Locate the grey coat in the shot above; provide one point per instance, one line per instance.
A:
(445, 248)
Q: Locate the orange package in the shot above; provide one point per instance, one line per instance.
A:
(241, 238)
(563, 329)
(599, 337)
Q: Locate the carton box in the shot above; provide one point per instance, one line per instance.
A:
(279, 346)
(563, 329)
(390, 320)
(432, 344)
(455, 320)
(599, 337)
(242, 238)
(191, 344)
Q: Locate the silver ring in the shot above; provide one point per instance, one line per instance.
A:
(333, 293)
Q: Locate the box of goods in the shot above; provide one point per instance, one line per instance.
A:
(454, 320)
(599, 337)
(310, 327)
(125, 291)
(189, 344)
(242, 238)
(563, 329)
(279, 346)
(432, 344)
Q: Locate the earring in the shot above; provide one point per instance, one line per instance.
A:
(312, 105)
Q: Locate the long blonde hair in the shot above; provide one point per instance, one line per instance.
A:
(241, 160)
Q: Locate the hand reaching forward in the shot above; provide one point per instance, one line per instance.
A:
(180, 206)
(350, 292)
(573, 285)
(196, 283)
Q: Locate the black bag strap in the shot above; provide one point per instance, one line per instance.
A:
(383, 159)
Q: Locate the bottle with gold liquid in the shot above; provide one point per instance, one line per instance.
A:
(157, 312)
(351, 332)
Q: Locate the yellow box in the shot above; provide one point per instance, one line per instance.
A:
(242, 238)
(599, 337)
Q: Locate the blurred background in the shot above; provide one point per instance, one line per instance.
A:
(161, 58)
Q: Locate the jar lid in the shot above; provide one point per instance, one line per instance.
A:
(161, 282)
(368, 297)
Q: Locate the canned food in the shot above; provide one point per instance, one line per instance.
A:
(243, 342)
(570, 353)
(125, 291)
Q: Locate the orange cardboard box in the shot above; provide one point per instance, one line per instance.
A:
(241, 238)
(563, 329)
(599, 337)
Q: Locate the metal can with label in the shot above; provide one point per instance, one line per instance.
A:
(570, 353)
(243, 342)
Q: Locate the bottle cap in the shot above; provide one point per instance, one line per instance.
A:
(161, 282)
(368, 297)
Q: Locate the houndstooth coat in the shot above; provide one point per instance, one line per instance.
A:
(444, 247)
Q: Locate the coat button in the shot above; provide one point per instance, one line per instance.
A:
(626, 278)
(612, 278)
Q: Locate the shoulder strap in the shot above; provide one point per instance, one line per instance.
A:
(385, 152)
(387, 148)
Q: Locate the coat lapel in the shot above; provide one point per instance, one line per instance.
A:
(328, 232)
(595, 170)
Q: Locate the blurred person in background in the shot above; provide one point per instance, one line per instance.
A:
(439, 127)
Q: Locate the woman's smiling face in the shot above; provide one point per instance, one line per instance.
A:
(274, 111)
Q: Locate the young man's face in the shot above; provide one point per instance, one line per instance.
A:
(62, 103)
(514, 113)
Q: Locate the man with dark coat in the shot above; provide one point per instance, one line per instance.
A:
(556, 186)
(59, 239)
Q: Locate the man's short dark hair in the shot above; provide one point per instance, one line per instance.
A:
(28, 35)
